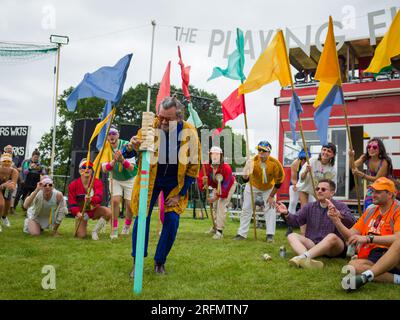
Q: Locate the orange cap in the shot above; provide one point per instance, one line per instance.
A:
(383, 183)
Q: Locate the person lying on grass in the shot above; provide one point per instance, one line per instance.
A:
(321, 236)
(46, 208)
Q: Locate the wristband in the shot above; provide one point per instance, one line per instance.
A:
(126, 164)
(109, 167)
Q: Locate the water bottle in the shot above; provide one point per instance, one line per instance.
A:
(282, 252)
(351, 250)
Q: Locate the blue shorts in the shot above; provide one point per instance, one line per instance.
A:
(376, 253)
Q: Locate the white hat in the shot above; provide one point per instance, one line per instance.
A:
(216, 149)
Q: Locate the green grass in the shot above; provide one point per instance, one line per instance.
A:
(198, 267)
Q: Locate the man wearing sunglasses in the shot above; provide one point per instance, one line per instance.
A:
(46, 208)
(266, 175)
(77, 196)
(122, 172)
(375, 231)
(174, 166)
(321, 237)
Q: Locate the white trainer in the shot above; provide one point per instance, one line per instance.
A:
(114, 234)
(211, 231)
(26, 229)
(6, 222)
(125, 230)
(217, 236)
(95, 236)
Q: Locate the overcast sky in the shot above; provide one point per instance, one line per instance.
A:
(101, 32)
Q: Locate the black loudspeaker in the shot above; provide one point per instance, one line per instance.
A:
(76, 157)
(127, 131)
(83, 130)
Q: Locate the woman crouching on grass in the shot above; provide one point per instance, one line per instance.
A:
(218, 175)
(8, 183)
(77, 191)
(46, 208)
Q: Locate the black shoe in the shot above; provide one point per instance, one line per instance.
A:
(159, 268)
(239, 237)
(359, 281)
(289, 231)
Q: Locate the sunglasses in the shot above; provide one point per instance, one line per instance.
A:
(373, 146)
(7, 161)
(86, 167)
(321, 188)
(48, 185)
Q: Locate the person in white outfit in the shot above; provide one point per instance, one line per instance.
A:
(46, 208)
(266, 175)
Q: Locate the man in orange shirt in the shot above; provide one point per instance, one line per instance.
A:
(376, 229)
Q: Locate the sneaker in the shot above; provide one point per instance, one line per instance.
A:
(295, 261)
(95, 236)
(159, 268)
(311, 264)
(359, 281)
(6, 222)
(114, 234)
(26, 229)
(125, 229)
(239, 237)
(270, 238)
(132, 274)
(217, 236)
(211, 231)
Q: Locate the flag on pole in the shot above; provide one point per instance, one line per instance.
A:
(193, 115)
(185, 76)
(295, 109)
(271, 65)
(165, 86)
(101, 136)
(234, 70)
(232, 107)
(106, 83)
(329, 91)
(388, 48)
(97, 130)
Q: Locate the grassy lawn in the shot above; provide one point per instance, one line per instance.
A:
(198, 267)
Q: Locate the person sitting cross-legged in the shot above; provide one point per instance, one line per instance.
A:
(321, 236)
(376, 230)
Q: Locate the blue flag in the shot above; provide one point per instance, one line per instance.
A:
(295, 109)
(100, 137)
(106, 83)
(321, 115)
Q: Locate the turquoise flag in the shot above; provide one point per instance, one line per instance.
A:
(234, 70)
(194, 118)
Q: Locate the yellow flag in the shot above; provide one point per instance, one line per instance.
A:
(388, 48)
(105, 157)
(328, 71)
(272, 65)
(97, 130)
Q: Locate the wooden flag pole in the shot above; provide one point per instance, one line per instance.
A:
(351, 148)
(207, 195)
(86, 203)
(248, 158)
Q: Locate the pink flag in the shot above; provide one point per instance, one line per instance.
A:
(233, 106)
(165, 86)
(185, 76)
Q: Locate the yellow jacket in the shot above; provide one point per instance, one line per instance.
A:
(187, 165)
(274, 170)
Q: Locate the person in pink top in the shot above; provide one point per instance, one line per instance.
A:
(218, 175)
